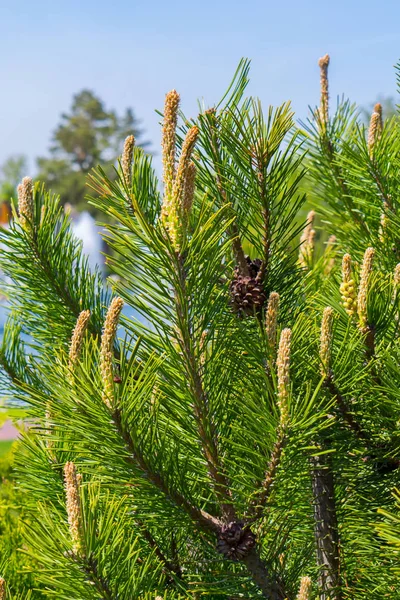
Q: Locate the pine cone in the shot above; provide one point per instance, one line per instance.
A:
(235, 540)
(247, 295)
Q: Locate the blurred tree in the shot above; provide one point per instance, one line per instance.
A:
(88, 136)
(389, 108)
(11, 173)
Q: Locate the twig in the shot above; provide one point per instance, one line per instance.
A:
(376, 176)
(266, 216)
(172, 567)
(370, 341)
(346, 414)
(276, 454)
(327, 145)
(201, 409)
(89, 567)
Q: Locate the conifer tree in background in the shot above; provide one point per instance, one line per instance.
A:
(217, 424)
(87, 136)
(11, 172)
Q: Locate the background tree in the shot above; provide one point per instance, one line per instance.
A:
(89, 135)
(11, 173)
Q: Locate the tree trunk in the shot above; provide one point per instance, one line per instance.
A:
(326, 528)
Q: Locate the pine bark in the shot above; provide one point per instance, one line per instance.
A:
(270, 588)
(326, 528)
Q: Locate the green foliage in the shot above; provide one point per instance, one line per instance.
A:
(389, 530)
(354, 188)
(207, 429)
(5, 447)
(53, 260)
(18, 568)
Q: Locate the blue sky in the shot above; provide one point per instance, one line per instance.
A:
(131, 53)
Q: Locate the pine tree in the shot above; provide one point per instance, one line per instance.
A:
(240, 438)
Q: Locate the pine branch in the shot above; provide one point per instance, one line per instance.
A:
(89, 567)
(202, 414)
(9, 369)
(344, 410)
(71, 303)
(377, 177)
(233, 230)
(370, 342)
(257, 506)
(266, 216)
(204, 521)
(200, 517)
(345, 193)
(271, 589)
(46, 261)
(170, 566)
(88, 564)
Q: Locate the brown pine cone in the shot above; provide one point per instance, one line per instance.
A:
(235, 540)
(247, 294)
